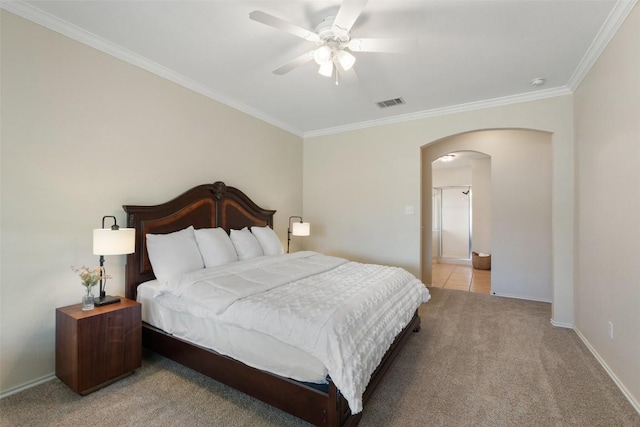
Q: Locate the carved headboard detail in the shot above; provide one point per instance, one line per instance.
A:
(204, 206)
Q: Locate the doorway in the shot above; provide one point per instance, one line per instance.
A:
(452, 214)
(514, 201)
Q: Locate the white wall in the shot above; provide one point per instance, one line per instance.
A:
(456, 223)
(84, 133)
(478, 176)
(455, 210)
(607, 113)
(357, 184)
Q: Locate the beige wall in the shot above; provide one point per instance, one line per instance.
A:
(481, 203)
(357, 184)
(460, 176)
(84, 133)
(67, 107)
(607, 113)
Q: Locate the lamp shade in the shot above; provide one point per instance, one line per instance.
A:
(326, 69)
(345, 59)
(114, 242)
(300, 229)
(322, 55)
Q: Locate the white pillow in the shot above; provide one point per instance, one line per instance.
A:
(246, 244)
(215, 246)
(268, 240)
(174, 254)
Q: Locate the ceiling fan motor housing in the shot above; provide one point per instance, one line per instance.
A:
(332, 34)
(333, 41)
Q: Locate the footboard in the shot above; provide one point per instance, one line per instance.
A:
(315, 406)
(290, 396)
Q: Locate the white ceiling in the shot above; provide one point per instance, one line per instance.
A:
(470, 53)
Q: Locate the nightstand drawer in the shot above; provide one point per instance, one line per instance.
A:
(99, 346)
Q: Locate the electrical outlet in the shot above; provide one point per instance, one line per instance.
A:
(610, 330)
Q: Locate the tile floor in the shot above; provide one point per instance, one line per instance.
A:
(461, 277)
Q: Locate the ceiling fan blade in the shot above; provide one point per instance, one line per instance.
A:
(300, 60)
(281, 24)
(383, 45)
(349, 13)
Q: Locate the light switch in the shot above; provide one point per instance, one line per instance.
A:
(408, 210)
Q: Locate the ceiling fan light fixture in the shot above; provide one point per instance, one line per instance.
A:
(345, 59)
(326, 69)
(333, 40)
(322, 55)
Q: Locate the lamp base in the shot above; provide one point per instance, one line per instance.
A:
(105, 300)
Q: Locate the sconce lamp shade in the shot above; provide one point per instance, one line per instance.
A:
(114, 242)
(300, 229)
(297, 228)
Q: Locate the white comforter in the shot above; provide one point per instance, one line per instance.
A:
(346, 314)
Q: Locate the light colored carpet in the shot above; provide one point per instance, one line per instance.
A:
(478, 361)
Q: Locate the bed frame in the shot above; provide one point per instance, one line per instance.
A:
(217, 205)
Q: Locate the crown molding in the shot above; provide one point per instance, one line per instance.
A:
(615, 19)
(611, 25)
(460, 108)
(74, 32)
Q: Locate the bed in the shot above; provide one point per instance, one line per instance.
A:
(217, 205)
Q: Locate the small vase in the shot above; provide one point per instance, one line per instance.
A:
(87, 300)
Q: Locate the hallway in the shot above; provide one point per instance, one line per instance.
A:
(461, 277)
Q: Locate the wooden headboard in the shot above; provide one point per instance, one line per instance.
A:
(204, 206)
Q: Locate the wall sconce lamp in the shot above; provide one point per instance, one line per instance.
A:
(297, 228)
(111, 241)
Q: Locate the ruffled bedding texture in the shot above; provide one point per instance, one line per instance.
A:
(344, 313)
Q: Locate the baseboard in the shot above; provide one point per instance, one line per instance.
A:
(454, 261)
(524, 297)
(561, 324)
(26, 386)
(623, 389)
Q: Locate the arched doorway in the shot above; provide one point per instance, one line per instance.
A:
(462, 204)
(461, 218)
(521, 190)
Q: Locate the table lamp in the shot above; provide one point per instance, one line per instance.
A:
(111, 241)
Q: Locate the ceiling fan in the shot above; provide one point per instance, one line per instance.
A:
(333, 40)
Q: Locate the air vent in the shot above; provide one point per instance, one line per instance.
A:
(390, 102)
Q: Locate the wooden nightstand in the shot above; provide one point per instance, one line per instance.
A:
(97, 347)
